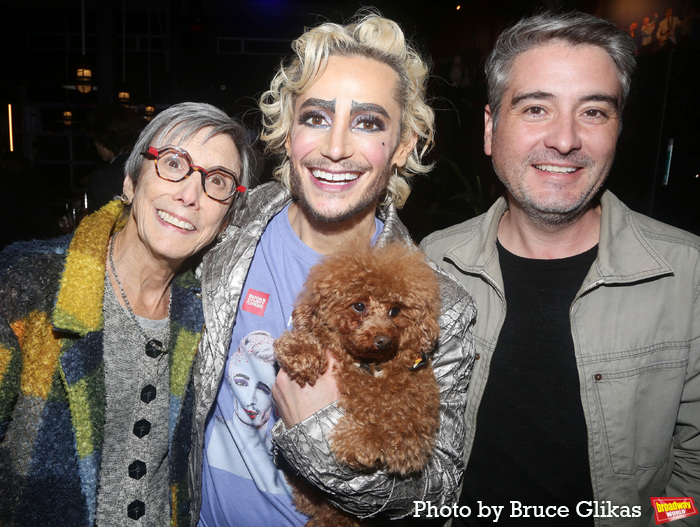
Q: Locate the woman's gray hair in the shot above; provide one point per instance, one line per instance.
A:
(574, 29)
(183, 121)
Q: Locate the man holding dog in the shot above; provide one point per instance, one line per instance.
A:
(347, 116)
(586, 387)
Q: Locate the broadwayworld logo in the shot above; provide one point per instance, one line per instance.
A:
(669, 509)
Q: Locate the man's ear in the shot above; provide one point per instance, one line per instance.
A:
(288, 144)
(488, 129)
(403, 150)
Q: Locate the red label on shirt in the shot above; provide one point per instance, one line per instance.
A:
(669, 509)
(255, 302)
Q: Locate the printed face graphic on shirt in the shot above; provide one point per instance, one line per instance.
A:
(251, 374)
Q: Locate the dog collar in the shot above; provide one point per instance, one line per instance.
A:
(372, 369)
(420, 361)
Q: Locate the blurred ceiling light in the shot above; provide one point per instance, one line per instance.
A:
(123, 96)
(150, 112)
(83, 79)
(83, 74)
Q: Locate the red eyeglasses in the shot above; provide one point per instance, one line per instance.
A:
(175, 164)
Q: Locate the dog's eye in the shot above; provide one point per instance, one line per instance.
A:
(359, 307)
(394, 312)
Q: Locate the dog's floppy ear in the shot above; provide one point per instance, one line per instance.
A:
(424, 296)
(427, 333)
(319, 288)
(305, 310)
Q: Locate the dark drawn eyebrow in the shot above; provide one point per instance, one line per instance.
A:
(320, 103)
(359, 107)
(242, 375)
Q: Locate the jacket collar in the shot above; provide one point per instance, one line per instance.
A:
(261, 204)
(394, 229)
(476, 252)
(624, 253)
(78, 307)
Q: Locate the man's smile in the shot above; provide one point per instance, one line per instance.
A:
(334, 178)
(556, 169)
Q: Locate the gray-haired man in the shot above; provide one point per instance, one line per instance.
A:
(585, 397)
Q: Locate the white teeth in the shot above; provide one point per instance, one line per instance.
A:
(337, 179)
(174, 221)
(556, 169)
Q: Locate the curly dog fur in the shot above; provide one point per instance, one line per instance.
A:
(376, 311)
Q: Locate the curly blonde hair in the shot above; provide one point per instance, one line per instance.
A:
(370, 36)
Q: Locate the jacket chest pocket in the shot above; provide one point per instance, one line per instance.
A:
(638, 409)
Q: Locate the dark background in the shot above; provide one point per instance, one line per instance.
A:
(226, 51)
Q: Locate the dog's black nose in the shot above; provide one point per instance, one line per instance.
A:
(382, 341)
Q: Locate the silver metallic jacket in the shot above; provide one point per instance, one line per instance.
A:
(306, 446)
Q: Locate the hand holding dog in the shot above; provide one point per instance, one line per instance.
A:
(364, 329)
(295, 403)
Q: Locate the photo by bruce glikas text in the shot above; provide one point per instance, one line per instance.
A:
(515, 509)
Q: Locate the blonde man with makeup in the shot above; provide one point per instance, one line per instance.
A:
(348, 119)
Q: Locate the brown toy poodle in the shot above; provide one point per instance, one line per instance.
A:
(375, 310)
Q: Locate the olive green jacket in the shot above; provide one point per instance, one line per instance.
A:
(635, 324)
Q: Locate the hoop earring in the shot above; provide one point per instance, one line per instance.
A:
(124, 199)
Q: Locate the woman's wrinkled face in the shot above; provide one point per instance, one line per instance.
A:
(175, 220)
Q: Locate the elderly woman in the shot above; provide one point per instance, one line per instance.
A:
(98, 331)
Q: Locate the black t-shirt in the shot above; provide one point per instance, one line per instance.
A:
(531, 441)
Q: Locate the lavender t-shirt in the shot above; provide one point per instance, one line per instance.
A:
(241, 485)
